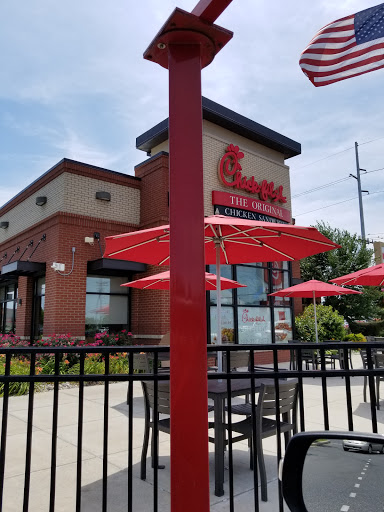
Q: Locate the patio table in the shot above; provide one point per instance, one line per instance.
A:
(218, 392)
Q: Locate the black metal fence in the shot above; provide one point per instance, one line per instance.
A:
(120, 416)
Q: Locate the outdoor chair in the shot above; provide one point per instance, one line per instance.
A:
(140, 365)
(364, 359)
(162, 424)
(379, 363)
(266, 426)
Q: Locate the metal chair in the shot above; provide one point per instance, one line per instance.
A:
(379, 363)
(267, 405)
(162, 424)
(364, 359)
(140, 365)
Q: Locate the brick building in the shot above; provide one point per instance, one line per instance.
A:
(54, 278)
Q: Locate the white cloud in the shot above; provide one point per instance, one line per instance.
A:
(74, 84)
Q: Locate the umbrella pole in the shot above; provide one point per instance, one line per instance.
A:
(218, 298)
(314, 307)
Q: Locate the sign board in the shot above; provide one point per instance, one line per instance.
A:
(250, 205)
(243, 214)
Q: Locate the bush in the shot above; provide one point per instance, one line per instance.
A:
(121, 338)
(355, 337)
(330, 324)
(18, 367)
(10, 340)
(368, 328)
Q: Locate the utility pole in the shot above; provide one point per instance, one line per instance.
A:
(359, 191)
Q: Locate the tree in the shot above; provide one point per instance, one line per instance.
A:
(352, 256)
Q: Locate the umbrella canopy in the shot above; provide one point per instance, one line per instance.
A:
(313, 289)
(235, 240)
(227, 241)
(371, 276)
(161, 282)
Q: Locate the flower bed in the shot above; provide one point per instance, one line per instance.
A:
(69, 362)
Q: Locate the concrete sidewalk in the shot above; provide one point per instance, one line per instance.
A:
(92, 449)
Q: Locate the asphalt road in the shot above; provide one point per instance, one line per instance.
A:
(339, 481)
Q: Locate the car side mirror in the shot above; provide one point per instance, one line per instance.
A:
(336, 471)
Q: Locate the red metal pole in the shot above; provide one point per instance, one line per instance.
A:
(189, 402)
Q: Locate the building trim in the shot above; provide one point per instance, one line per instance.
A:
(72, 167)
(233, 122)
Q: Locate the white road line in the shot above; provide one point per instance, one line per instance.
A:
(352, 495)
(362, 473)
(359, 477)
(344, 508)
(357, 485)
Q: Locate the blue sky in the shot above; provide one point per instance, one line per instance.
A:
(74, 84)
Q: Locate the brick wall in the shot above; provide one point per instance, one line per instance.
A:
(65, 295)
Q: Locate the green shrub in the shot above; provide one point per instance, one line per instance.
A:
(368, 328)
(355, 337)
(18, 367)
(330, 324)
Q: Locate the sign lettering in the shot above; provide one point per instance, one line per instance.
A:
(229, 166)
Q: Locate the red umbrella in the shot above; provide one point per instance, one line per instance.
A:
(313, 289)
(161, 282)
(232, 240)
(227, 241)
(371, 276)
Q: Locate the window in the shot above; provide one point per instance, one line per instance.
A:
(39, 307)
(107, 305)
(8, 307)
(249, 315)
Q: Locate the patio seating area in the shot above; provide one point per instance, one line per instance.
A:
(143, 492)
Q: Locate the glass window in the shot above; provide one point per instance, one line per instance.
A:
(283, 324)
(226, 295)
(280, 280)
(227, 325)
(106, 284)
(257, 281)
(8, 306)
(254, 325)
(39, 300)
(107, 305)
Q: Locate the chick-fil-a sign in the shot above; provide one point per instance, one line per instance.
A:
(229, 166)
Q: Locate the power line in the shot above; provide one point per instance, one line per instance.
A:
(324, 158)
(321, 187)
(369, 141)
(340, 202)
(338, 153)
(332, 183)
(323, 207)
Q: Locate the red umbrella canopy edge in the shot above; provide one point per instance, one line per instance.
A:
(239, 241)
(309, 288)
(161, 281)
(371, 276)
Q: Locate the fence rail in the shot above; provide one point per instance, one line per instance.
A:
(47, 435)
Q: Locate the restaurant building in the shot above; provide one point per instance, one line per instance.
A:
(54, 279)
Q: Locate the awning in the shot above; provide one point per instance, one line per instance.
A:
(112, 267)
(22, 268)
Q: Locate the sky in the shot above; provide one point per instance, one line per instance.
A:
(74, 84)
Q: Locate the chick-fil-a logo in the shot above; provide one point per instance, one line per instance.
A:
(246, 318)
(229, 165)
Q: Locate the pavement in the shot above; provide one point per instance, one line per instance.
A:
(143, 491)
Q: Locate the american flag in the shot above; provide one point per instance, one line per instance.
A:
(345, 48)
